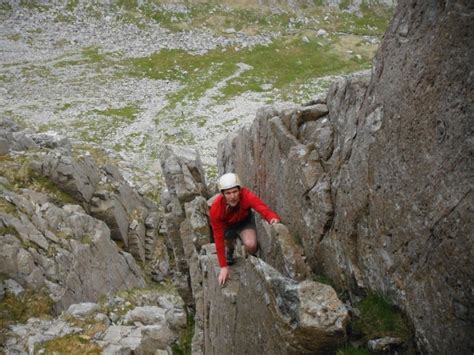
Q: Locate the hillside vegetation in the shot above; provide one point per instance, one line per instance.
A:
(131, 76)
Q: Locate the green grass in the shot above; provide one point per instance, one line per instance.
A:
(71, 4)
(33, 5)
(350, 350)
(97, 125)
(8, 208)
(281, 63)
(183, 344)
(90, 55)
(69, 344)
(8, 230)
(323, 280)
(5, 7)
(18, 309)
(380, 319)
(20, 175)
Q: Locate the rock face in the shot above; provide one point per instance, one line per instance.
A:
(107, 196)
(379, 190)
(62, 249)
(187, 226)
(261, 311)
(47, 241)
(102, 191)
(304, 317)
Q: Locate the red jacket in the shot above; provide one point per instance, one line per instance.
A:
(222, 217)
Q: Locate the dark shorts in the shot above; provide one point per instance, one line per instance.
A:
(233, 230)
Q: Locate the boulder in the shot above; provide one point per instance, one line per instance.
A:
(82, 310)
(280, 249)
(141, 340)
(146, 315)
(27, 337)
(260, 310)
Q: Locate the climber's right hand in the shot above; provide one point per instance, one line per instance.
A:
(223, 275)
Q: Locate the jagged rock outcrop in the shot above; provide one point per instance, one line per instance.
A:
(380, 190)
(187, 226)
(53, 248)
(49, 241)
(133, 219)
(305, 316)
(262, 311)
(61, 249)
(184, 178)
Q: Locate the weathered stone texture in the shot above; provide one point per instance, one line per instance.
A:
(184, 178)
(187, 226)
(261, 311)
(77, 262)
(380, 191)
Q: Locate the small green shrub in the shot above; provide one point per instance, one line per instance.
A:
(18, 309)
(379, 319)
(183, 344)
(350, 350)
(323, 280)
(8, 208)
(69, 344)
(8, 230)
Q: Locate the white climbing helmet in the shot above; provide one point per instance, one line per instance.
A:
(228, 181)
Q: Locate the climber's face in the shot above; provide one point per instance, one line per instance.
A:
(232, 196)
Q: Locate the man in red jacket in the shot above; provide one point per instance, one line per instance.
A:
(231, 217)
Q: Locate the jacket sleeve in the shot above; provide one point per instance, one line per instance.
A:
(258, 205)
(218, 232)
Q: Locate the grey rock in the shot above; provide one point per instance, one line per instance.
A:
(113, 213)
(156, 337)
(380, 196)
(9, 125)
(146, 315)
(384, 344)
(321, 32)
(197, 212)
(51, 141)
(82, 310)
(79, 263)
(295, 317)
(137, 340)
(314, 112)
(101, 317)
(13, 287)
(176, 318)
(78, 178)
(22, 141)
(279, 249)
(185, 180)
(4, 146)
(30, 336)
(183, 171)
(121, 336)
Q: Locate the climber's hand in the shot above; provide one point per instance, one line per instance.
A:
(274, 221)
(223, 275)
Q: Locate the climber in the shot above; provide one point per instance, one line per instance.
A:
(231, 218)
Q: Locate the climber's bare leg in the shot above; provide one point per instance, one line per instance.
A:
(249, 240)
